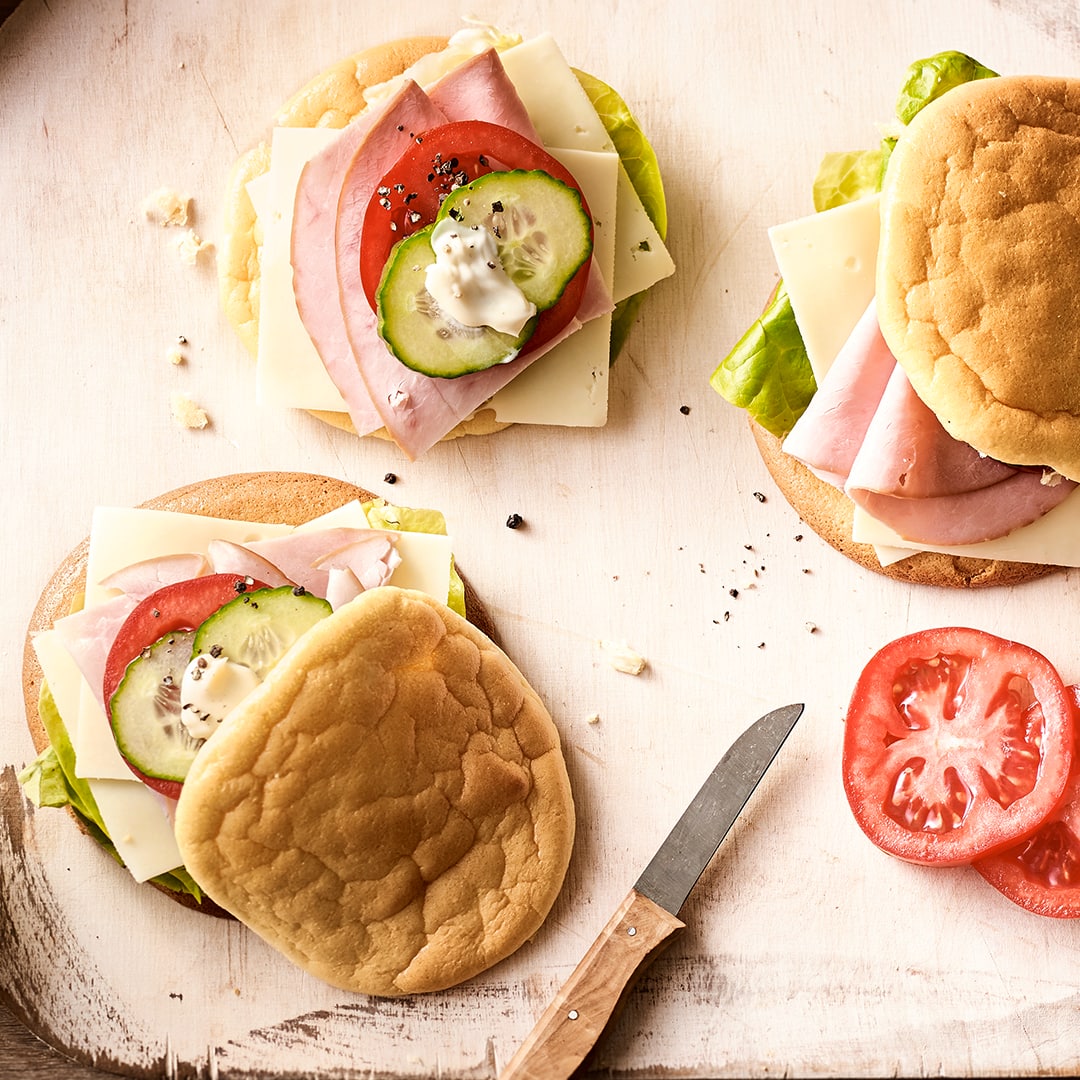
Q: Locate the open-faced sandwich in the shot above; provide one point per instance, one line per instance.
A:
(261, 694)
(444, 237)
(914, 382)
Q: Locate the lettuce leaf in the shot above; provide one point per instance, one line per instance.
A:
(928, 79)
(50, 780)
(846, 176)
(643, 169)
(384, 515)
(768, 372)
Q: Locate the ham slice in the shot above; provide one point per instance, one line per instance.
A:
(376, 139)
(829, 433)
(868, 433)
(88, 636)
(141, 579)
(480, 89)
(229, 558)
(306, 558)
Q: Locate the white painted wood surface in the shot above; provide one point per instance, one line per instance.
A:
(807, 952)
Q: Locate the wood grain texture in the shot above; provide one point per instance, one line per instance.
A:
(583, 1008)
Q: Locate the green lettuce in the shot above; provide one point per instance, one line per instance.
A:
(384, 515)
(643, 169)
(768, 372)
(50, 780)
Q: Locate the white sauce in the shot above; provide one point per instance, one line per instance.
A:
(468, 281)
(212, 686)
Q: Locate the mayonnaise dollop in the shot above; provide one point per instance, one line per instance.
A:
(468, 281)
(212, 686)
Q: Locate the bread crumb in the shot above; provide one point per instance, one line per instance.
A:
(167, 207)
(622, 658)
(592, 718)
(175, 356)
(189, 246)
(187, 414)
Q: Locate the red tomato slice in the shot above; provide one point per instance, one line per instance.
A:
(184, 605)
(957, 745)
(446, 157)
(1042, 873)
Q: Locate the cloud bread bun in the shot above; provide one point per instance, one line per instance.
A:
(332, 99)
(829, 512)
(271, 497)
(978, 265)
(391, 808)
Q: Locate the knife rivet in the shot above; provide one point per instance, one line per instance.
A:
(572, 1014)
(631, 930)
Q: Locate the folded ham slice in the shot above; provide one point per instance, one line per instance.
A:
(868, 433)
(380, 138)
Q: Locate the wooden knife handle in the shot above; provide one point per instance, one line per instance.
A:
(589, 999)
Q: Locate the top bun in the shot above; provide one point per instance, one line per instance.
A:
(390, 808)
(979, 262)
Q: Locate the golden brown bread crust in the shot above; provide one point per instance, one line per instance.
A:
(829, 513)
(391, 808)
(333, 98)
(979, 259)
(272, 497)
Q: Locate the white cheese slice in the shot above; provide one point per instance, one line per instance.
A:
(828, 263)
(139, 827)
(289, 372)
(641, 257)
(1051, 540)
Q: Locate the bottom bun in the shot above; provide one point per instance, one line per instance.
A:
(288, 498)
(829, 512)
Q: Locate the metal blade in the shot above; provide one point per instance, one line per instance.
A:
(690, 846)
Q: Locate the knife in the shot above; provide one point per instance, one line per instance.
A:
(647, 920)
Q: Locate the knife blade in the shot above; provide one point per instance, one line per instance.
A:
(648, 919)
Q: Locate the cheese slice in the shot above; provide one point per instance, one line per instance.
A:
(828, 262)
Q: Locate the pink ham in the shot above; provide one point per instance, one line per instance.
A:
(306, 557)
(229, 558)
(480, 89)
(140, 579)
(316, 222)
(88, 636)
(828, 435)
(871, 435)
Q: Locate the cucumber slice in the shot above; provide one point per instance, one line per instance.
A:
(258, 628)
(542, 231)
(421, 336)
(146, 710)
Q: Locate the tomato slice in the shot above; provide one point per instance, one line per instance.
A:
(183, 605)
(441, 159)
(957, 745)
(1042, 873)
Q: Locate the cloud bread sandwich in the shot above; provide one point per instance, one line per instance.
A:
(443, 237)
(261, 694)
(917, 402)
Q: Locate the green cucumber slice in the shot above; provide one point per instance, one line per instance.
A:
(145, 710)
(258, 628)
(421, 336)
(541, 229)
